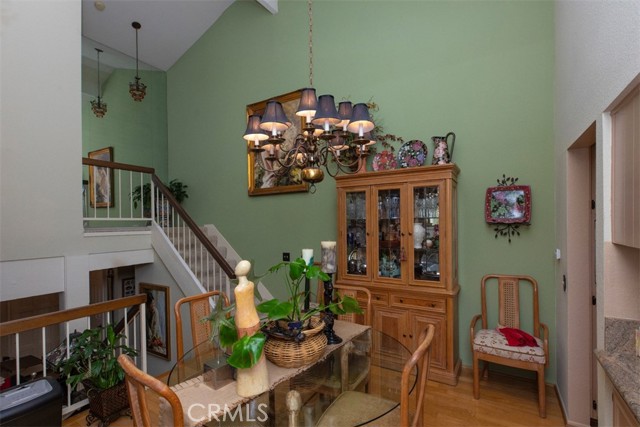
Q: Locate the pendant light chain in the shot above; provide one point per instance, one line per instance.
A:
(137, 53)
(99, 86)
(310, 43)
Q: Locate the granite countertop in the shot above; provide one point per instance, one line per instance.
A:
(619, 361)
(624, 372)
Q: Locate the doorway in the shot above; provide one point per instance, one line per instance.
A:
(580, 274)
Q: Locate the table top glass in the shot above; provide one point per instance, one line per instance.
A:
(370, 362)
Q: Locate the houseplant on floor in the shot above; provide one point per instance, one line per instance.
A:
(280, 320)
(93, 362)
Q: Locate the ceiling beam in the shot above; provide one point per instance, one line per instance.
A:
(270, 5)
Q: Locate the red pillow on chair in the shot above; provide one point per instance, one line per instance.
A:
(517, 338)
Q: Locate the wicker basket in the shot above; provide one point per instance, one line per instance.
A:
(106, 405)
(292, 354)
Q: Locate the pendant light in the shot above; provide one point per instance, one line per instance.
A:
(137, 90)
(98, 107)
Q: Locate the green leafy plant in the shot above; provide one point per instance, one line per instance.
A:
(93, 356)
(246, 351)
(143, 193)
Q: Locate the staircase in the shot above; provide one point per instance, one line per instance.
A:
(199, 258)
(191, 265)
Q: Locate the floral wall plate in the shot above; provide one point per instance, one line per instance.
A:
(383, 161)
(412, 153)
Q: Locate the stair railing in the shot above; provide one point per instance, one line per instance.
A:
(130, 310)
(208, 265)
(108, 194)
(111, 203)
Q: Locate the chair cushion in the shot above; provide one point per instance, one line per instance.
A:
(490, 341)
(353, 407)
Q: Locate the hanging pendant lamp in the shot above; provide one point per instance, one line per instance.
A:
(137, 89)
(98, 107)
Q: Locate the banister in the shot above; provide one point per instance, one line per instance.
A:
(114, 165)
(57, 317)
(194, 228)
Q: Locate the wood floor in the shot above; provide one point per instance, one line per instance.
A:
(504, 401)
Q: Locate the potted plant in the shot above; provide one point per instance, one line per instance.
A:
(93, 362)
(284, 320)
(142, 194)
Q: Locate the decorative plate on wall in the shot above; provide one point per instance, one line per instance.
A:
(412, 153)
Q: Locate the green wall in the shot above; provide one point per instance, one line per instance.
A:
(482, 69)
(137, 131)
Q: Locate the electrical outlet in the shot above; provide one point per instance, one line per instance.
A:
(286, 256)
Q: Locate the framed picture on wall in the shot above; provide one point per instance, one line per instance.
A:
(101, 180)
(128, 287)
(508, 204)
(263, 182)
(158, 326)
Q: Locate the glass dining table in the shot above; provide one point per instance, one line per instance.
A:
(367, 361)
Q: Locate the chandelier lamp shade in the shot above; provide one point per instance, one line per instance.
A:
(137, 89)
(98, 106)
(335, 139)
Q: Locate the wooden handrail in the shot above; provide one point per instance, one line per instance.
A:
(114, 165)
(194, 228)
(57, 317)
(226, 267)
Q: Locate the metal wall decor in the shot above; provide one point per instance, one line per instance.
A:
(508, 206)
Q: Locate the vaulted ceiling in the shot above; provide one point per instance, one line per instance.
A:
(169, 29)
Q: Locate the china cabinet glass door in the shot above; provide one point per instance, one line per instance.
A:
(356, 236)
(426, 233)
(390, 245)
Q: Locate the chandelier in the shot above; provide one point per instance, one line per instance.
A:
(98, 107)
(137, 89)
(333, 138)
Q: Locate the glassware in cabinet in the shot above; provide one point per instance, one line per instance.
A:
(426, 233)
(390, 233)
(356, 233)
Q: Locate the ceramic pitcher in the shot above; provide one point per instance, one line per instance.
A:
(441, 153)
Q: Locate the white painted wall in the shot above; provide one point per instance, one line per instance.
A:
(40, 152)
(597, 56)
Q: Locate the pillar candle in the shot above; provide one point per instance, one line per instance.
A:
(307, 255)
(328, 256)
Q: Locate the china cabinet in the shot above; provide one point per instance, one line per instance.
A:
(397, 236)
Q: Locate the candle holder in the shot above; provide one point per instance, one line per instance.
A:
(332, 338)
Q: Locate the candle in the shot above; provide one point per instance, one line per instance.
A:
(307, 255)
(328, 257)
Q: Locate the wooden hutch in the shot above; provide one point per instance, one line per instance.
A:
(397, 236)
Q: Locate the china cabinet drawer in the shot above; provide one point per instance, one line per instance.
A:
(431, 304)
(380, 298)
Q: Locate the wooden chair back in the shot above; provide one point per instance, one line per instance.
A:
(357, 292)
(421, 357)
(509, 300)
(199, 308)
(136, 381)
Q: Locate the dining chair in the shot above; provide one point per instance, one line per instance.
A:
(199, 308)
(491, 345)
(352, 407)
(136, 381)
(358, 292)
